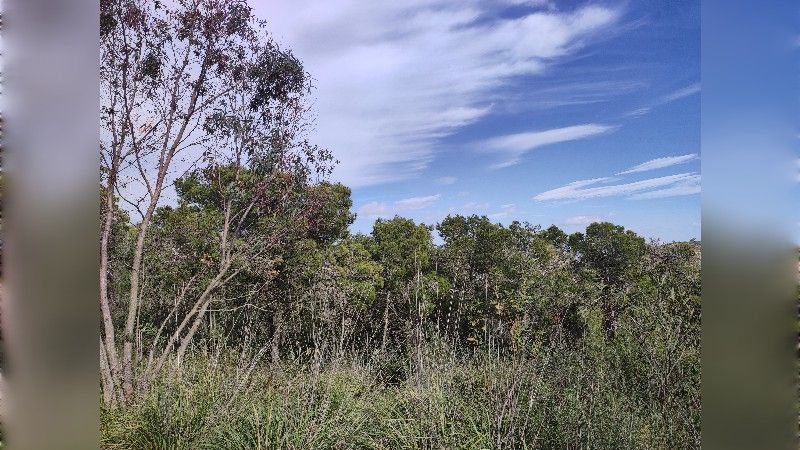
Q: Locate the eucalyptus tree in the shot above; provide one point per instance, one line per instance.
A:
(170, 72)
(615, 254)
(556, 236)
(473, 256)
(403, 248)
(346, 288)
(303, 283)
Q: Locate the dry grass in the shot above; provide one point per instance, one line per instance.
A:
(562, 399)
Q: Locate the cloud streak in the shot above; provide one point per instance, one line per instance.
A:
(660, 163)
(514, 146)
(393, 78)
(582, 220)
(383, 209)
(689, 186)
(669, 98)
(446, 181)
(680, 93)
(667, 186)
(506, 212)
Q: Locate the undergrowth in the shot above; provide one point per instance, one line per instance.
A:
(560, 400)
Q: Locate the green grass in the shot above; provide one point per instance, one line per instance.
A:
(568, 402)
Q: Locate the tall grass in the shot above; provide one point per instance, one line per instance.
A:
(556, 399)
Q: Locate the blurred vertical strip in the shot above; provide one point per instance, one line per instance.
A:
(750, 224)
(50, 169)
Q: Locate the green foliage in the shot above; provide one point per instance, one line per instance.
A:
(277, 74)
(358, 276)
(556, 236)
(611, 250)
(499, 337)
(515, 289)
(332, 214)
(402, 247)
(558, 399)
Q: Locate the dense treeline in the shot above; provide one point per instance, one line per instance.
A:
(321, 292)
(409, 299)
(243, 313)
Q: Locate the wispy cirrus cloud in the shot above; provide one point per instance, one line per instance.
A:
(514, 146)
(660, 163)
(446, 181)
(416, 202)
(582, 220)
(667, 186)
(383, 209)
(574, 90)
(669, 98)
(680, 93)
(392, 78)
(529, 2)
(506, 211)
(797, 168)
(690, 186)
(468, 208)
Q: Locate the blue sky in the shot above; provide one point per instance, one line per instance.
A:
(549, 112)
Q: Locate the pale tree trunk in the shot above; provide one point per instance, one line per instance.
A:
(108, 342)
(200, 305)
(342, 332)
(277, 327)
(225, 264)
(418, 326)
(133, 305)
(190, 334)
(385, 336)
(109, 397)
(167, 153)
(198, 311)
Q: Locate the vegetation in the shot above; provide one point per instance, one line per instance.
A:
(243, 314)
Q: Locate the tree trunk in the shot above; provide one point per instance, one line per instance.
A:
(168, 151)
(107, 383)
(133, 306)
(108, 341)
(200, 305)
(192, 330)
(385, 336)
(341, 330)
(277, 330)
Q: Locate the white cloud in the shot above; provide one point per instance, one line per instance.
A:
(392, 78)
(529, 2)
(507, 211)
(689, 186)
(469, 208)
(416, 202)
(444, 181)
(373, 209)
(668, 186)
(582, 220)
(640, 111)
(669, 98)
(384, 209)
(660, 163)
(797, 167)
(681, 93)
(661, 187)
(516, 145)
